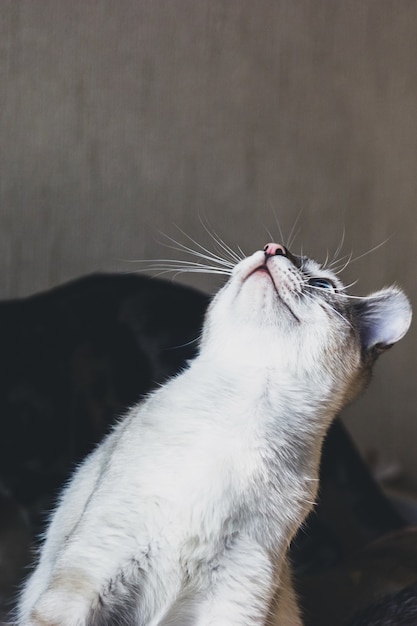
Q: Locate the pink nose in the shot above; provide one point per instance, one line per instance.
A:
(273, 249)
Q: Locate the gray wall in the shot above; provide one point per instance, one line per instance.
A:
(121, 119)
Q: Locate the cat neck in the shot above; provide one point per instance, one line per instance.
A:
(258, 369)
(257, 391)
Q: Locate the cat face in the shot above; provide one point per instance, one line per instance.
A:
(289, 311)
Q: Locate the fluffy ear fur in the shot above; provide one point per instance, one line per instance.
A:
(383, 318)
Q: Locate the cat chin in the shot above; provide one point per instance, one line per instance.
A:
(255, 325)
(249, 308)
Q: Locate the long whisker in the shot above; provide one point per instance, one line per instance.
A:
(268, 232)
(220, 242)
(293, 234)
(179, 262)
(341, 268)
(281, 234)
(324, 265)
(206, 254)
(184, 345)
(340, 260)
(180, 247)
(241, 252)
(200, 269)
(352, 284)
(342, 293)
(340, 246)
(216, 239)
(352, 259)
(160, 267)
(177, 272)
(356, 258)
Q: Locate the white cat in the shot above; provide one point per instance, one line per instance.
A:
(184, 514)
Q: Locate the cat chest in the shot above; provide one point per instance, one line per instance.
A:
(204, 484)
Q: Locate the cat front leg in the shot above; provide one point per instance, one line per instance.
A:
(88, 576)
(67, 599)
(241, 587)
(111, 584)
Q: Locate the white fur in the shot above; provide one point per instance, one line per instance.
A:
(185, 512)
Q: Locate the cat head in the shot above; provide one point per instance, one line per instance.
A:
(292, 314)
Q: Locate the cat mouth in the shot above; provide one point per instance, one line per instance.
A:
(263, 269)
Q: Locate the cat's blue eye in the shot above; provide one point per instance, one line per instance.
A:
(322, 283)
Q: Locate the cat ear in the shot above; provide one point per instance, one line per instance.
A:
(384, 318)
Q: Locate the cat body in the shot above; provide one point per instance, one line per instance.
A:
(184, 514)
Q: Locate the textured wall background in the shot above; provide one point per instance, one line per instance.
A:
(120, 119)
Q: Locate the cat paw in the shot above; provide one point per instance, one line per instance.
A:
(56, 608)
